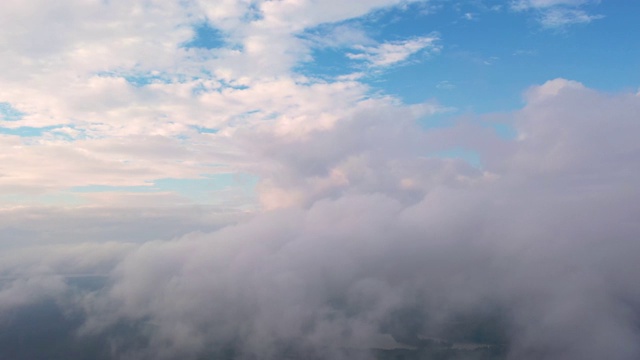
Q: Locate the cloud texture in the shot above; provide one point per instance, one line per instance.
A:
(545, 232)
(364, 232)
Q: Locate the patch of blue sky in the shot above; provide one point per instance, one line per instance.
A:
(490, 56)
(505, 131)
(144, 78)
(608, 44)
(253, 13)
(470, 156)
(438, 120)
(69, 132)
(327, 63)
(205, 37)
(200, 88)
(217, 85)
(201, 190)
(329, 49)
(469, 63)
(9, 113)
(140, 79)
(205, 130)
(27, 131)
(232, 85)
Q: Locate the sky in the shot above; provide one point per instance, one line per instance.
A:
(256, 172)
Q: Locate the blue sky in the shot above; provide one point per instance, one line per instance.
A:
(490, 56)
(183, 77)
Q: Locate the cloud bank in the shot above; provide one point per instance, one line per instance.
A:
(381, 243)
(365, 237)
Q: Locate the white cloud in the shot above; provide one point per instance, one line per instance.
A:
(340, 36)
(555, 14)
(364, 222)
(77, 78)
(545, 229)
(556, 18)
(537, 4)
(445, 85)
(392, 53)
(544, 232)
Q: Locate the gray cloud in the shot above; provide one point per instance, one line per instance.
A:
(382, 240)
(24, 227)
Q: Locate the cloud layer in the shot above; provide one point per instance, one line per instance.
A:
(364, 233)
(544, 232)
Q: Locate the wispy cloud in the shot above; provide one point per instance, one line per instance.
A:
(541, 4)
(558, 17)
(397, 52)
(555, 14)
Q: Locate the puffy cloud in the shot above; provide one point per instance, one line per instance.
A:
(370, 240)
(114, 97)
(28, 227)
(550, 231)
(542, 241)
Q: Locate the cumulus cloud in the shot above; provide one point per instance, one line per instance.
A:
(112, 89)
(32, 226)
(545, 233)
(542, 240)
(367, 240)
